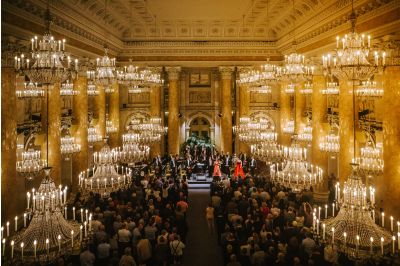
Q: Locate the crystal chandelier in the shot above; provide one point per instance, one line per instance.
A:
(104, 178)
(288, 128)
(295, 172)
(30, 90)
(136, 89)
(67, 89)
(353, 59)
(270, 152)
(69, 146)
(330, 143)
(369, 89)
(48, 63)
(265, 76)
(110, 128)
(295, 67)
(131, 152)
(93, 135)
(306, 134)
(49, 234)
(263, 89)
(30, 163)
(308, 88)
(105, 71)
(354, 230)
(371, 160)
(290, 88)
(130, 76)
(144, 132)
(91, 86)
(332, 88)
(255, 130)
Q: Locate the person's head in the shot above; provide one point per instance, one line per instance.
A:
(281, 256)
(233, 258)
(128, 251)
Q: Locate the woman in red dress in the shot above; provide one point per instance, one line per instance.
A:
(217, 170)
(239, 170)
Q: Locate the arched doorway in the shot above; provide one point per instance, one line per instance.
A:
(200, 127)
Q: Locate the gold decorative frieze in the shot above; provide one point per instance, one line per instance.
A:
(199, 97)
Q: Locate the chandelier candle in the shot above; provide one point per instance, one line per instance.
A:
(12, 249)
(323, 231)
(34, 247)
(59, 243)
(345, 239)
(4, 245)
(371, 246)
(22, 251)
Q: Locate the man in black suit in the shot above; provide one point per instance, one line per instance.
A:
(226, 163)
(253, 165)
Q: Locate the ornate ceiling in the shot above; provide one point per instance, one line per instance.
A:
(146, 28)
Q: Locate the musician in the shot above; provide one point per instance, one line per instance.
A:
(188, 165)
(227, 160)
(244, 160)
(210, 165)
(173, 165)
(158, 164)
(252, 165)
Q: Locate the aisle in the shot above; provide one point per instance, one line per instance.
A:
(202, 248)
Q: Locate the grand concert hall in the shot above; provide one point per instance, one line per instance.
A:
(200, 132)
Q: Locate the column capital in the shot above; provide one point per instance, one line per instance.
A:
(173, 72)
(226, 71)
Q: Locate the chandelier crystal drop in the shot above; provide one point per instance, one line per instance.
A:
(369, 89)
(355, 231)
(295, 172)
(332, 88)
(330, 143)
(30, 163)
(67, 89)
(49, 234)
(30, 90)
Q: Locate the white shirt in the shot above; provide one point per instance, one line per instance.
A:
(176, 247)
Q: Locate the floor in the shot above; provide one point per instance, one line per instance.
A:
(201, 247)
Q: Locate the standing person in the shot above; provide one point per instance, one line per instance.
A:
(239, 170)
(210, 218)
(210, 166)
(253, 166)
(176, 246)
(217, 170)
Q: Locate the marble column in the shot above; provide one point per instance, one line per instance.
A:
(226, 108)
(319, 105)
(54, 134)
(12, 185)
(80, 127)
(285, 115)
(244, 110)
(388, 186)
(300, 107)
(173, 110)
(346, 152)
(155, 110)
(99, 109)
(114, 116)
